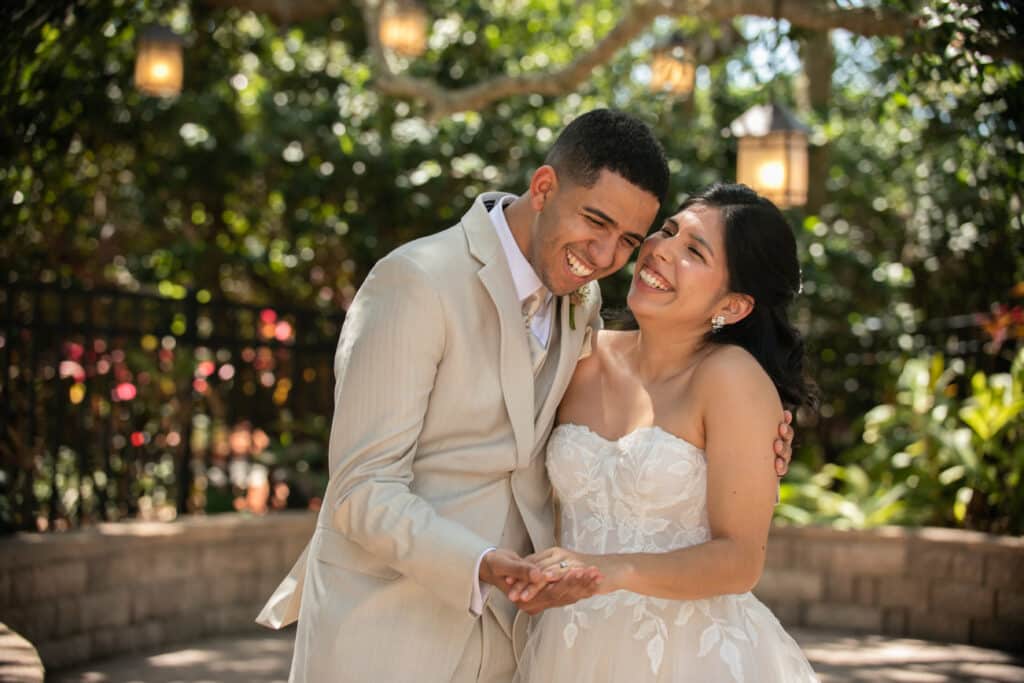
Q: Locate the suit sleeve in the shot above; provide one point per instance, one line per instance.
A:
(387, 358)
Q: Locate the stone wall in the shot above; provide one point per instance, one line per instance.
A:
(936, 584)
(121, 587)
(89, 594)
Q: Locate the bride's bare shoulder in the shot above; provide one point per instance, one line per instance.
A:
(605, 349)
(729, 371)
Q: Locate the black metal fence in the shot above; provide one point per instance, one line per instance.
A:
(116, 404)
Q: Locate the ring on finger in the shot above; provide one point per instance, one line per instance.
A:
(563, 564)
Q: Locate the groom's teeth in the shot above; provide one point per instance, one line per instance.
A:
(652, 280)
(577, 268)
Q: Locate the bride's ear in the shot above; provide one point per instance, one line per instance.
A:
(737, 307)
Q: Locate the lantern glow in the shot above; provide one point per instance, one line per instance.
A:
(772, 154)
(672, 69)
(403, 28)
(159, 65)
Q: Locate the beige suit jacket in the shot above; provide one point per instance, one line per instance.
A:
(433, 441)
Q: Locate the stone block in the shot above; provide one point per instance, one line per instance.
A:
(227, 620)
(961, 599)
(265, 558)
(969, 567)
(938, 561)
(48, 582)
(870, 558)
(903, 592)
(998, 633)
(293, 547)
(268, 584)
(113, 608)
(839, 587)
(57, 654)
(5, 589)
(894, 621)
(117, 570)
(69, 617)
(1005, 570)
(157, 600)
(168, 565)
(232, 590)
(789, 585)
(814, 556)
(865, 590)
(36, 623)
(780, 553)
(852, 617)
(1009, 604)
(940, 627)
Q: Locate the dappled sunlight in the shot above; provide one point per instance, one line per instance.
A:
(246, 659)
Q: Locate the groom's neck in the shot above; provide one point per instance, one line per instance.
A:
(520, 215)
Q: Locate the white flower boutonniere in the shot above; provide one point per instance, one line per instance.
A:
(577, 298)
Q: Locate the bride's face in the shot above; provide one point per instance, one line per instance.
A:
(681, 271)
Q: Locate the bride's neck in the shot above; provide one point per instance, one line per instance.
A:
(661, 352)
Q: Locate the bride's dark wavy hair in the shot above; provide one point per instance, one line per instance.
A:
(762, 261)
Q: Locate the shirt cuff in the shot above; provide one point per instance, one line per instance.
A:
(477, 597)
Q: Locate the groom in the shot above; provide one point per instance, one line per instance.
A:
(452, 361)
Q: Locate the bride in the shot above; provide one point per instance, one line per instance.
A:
(659, 464)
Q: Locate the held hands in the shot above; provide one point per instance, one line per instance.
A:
(537, 582)
(568, 577)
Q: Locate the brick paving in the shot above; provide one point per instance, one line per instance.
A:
(263, 657)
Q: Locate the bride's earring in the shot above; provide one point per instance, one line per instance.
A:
(717, 323)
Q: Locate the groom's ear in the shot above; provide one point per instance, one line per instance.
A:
(543, 183)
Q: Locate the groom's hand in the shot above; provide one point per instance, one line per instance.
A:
(784, 444)
(504, 569)
(577, 583)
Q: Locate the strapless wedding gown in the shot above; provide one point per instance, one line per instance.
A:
(646, 492)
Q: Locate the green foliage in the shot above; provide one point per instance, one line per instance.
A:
(947, 451)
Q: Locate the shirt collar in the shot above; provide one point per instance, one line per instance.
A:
(523, 275)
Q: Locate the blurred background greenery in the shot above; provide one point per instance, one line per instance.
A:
(284, 169)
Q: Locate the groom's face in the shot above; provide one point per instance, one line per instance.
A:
(585, 233)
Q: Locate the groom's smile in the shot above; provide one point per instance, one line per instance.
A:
(577, 266)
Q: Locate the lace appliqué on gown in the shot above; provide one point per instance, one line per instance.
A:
(646, 492)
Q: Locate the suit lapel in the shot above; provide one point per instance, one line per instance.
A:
(515, 366)
(568, 353)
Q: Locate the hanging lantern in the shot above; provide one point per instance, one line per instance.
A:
(772, 154)
(158, 64)
(403, 27)
(673, 69)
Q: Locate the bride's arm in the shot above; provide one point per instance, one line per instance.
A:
(741, 409)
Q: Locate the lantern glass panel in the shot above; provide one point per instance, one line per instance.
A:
(775, 165)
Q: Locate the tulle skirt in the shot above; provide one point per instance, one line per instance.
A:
(632, 638)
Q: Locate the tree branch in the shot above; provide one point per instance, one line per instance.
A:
(389, 79)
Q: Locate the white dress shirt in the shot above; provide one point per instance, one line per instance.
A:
(526, 283)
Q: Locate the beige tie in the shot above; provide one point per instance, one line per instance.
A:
(531, 305)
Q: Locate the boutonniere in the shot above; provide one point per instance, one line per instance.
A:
(577, 298)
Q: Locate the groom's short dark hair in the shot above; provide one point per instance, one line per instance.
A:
(614, 140)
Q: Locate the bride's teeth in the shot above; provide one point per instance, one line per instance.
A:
(577, 268)
(652, 280)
